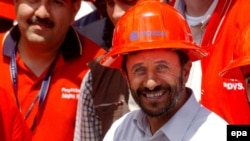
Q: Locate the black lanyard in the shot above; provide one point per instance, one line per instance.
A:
(43, 90)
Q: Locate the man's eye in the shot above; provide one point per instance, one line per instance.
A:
(139, 71)
(59, 1)
(161, 68)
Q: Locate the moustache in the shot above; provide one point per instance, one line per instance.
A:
(41, 21)
(156, 89)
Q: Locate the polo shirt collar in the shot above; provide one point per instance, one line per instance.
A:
(71, 47)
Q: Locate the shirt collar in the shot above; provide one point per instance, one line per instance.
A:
(194, 21)
(71, 47)
(177, 126)
(141, 122)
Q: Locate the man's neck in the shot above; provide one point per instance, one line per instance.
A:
(157, 122)
(37, 57)
(197, 8)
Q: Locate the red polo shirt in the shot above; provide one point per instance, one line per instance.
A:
(225, 97)
(12, 124)
(55, 119)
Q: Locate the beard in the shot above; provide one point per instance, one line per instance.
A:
(173, 92)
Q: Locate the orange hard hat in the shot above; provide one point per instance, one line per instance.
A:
(7, 9)
(151, 24)
(241, 56)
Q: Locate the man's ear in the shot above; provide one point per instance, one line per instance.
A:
(124, 74)
(186, 71)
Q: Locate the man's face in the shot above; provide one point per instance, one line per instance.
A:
(116, 8)
(45, 21)
(156, 80)
(246, 74)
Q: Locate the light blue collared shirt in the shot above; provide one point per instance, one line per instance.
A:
(192, 122)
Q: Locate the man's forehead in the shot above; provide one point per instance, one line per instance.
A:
(155, 53)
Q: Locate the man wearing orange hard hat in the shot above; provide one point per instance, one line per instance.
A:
(239, 67)
(105, 86)
(153, 47)
(7, 15)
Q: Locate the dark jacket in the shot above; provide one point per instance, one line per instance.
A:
(100, 31)
(109, 87)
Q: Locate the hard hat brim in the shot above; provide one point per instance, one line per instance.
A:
(114, 57)
(233, 69)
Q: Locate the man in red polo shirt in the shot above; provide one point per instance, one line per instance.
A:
(214, 24)
(224, 96)
(43, 60)
(12, 124)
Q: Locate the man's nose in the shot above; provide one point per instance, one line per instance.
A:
(42, 10)
(151, 84)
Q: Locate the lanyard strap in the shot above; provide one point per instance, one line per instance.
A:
(43, 90)
(13, 70)
(41, 96)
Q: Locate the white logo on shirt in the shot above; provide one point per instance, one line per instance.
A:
(70, 93)
(233, 85)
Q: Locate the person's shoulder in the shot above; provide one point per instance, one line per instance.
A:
(90, 50)
(216, 120)
(126, 117)
(88, 43)
(210, 116)
(124, 120)
(97, 25)
(94, 31)
(207, 126)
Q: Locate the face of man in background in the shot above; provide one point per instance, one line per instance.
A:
(116, 8)
(45, 21)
